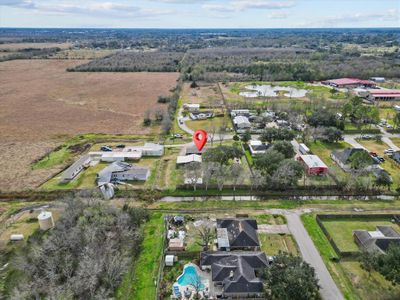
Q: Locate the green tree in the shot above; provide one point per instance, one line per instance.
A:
(396, 120)
(268, 162)
(360, 160)
(332, 135)
(384, 180)
(285, 148)
(222, 154)
(290, 278)
(246, 136)
(288, 173)
(389, 264)
(368, 261)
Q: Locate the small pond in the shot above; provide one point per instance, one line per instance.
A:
(272, 91)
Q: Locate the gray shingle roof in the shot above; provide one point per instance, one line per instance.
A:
(344, 156)
(378, 243)
(241, 232)
(241, 265)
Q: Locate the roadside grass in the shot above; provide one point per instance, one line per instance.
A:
(273, 244)
(341, 230)
(327, 253)
(388, 165)
(396, 141)
(388, 114)
(138, 283)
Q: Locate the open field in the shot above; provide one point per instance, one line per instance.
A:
(82, 53)
(60, 102)
(341, 230)
(19, 46)
(54, 105)
(206, 95)
(272, 244)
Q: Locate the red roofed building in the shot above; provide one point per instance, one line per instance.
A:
(313, 164)
(349, 83)
(384, 95)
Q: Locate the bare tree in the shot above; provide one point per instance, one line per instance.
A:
(206, 234)
(209, 170)
(236, 174)
(221, 134)
(193, 172)
(221, 175)
(196, 284)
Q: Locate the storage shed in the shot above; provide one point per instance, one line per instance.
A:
(45, 220)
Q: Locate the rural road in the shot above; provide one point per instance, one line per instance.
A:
(329, 290)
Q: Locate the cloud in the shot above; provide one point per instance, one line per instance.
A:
(243, 5)
(389, 15)
(96, 9)
(278, 16)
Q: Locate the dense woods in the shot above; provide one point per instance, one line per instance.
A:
(134, 62)
(29, 53)
(84, 256)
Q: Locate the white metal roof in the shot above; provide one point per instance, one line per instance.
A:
(313, 161)
(44, 215)
(241, 120)
(184, 159)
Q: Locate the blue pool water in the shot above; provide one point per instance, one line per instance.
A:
(190, 276)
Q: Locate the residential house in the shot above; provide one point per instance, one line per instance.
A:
(152, 149)
(77, 167)
(194, 150)
(396, 156)
(234, 274)
(121, 171)
(191, 106)
(378, 240)
(313, 164)
(257, 147)
(121, 156)
(241, 122)
(240, 112)
(237, 234)
(378, 79)
(185, 159)
(342, 158)
(201, 115)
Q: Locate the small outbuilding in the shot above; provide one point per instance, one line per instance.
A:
(313, 164)
(16, 237)
(169, 260)
(176, 245)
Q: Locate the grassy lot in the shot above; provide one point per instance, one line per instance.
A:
(138, 283)
(341, 230)
(354, 282)
(272, 244)
(396, 141)
(392, 168)
(208, 124)
(387, 114)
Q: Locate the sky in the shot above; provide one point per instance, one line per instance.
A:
(199, 13)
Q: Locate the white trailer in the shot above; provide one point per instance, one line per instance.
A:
(303, 149)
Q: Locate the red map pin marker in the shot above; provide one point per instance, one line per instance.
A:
(200, 138)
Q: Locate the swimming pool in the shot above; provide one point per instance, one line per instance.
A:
(190, 277)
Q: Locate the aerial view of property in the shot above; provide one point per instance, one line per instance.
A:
(193, 150)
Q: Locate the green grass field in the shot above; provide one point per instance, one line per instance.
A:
(341, 230)
(138, 283)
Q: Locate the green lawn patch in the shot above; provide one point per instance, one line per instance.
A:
(272, 244)
(138, 283)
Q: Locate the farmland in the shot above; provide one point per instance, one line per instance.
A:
(54, 104)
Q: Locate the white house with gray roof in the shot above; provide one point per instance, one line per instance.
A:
(122, 171)
(75, 169)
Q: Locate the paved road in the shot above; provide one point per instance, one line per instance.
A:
(389, 142)
(329, 290)
(350, 139)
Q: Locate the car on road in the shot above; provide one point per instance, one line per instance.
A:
(177, 136)
(106, 149)
(366, 137)
(389, 126)
(120, 146)
(380, 158)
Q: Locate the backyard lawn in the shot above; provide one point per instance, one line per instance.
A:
(272, 244)
(341, 230)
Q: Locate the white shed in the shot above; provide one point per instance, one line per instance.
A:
(16, 237)
(169, 260)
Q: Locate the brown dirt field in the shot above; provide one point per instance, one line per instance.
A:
(18, 46)
(40, 101)
(205, 94)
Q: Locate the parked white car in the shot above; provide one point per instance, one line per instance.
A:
(389, 151)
